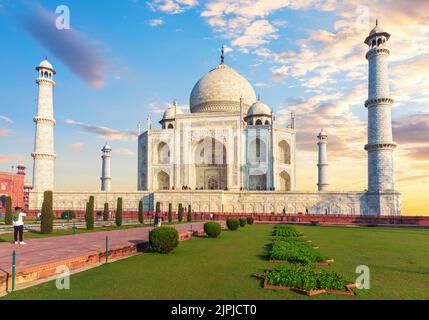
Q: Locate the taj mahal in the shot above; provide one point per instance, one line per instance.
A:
(228, 154)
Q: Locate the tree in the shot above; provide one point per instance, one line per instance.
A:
(141, 220)
(47, 217)
(170, 213)
(89, 217)
(180, 213)
(8, 217)
(189, 218)
(106, 212)
(158, 208)
(119, 213)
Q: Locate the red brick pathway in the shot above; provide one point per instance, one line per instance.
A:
(48, 250)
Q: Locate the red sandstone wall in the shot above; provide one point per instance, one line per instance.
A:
(13, 185)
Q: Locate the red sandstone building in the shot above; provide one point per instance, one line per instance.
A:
(13, 185)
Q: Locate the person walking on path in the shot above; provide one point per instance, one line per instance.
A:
(18, 225)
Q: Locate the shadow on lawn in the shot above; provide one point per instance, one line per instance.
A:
(265, 254)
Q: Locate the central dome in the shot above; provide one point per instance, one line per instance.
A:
(220, 90)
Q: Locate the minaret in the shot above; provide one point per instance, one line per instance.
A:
(380, 143)
(106, 179)
(322, 164)
(44, 154)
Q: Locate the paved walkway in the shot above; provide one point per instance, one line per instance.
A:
(48, 250)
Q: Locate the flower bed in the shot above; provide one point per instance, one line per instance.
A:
(296, 252)
(286, 231)
(305, 280)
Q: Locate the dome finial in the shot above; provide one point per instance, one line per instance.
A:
(376, 22)
(222, 57)
(259, 97)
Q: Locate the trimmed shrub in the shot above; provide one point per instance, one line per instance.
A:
(119, 212)
(141, 220)
(189, 217)
(250, 220)
(170, 213)
(47, 216)
(212, 229)
(106, 212)
(89, 217)
(232, 224)
(8, 216)
(68, 215)
(163, 239)
(180, 213)
(243, 222)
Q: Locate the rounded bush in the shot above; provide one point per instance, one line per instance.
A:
(232, 224)
(212, 229)
(68, 215)
(163, 239)
(250, 220)
(243, 222)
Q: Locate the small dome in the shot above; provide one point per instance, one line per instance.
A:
(106, 148)
(171, 112)
(259, 109)
(220, 91)
(45, 64)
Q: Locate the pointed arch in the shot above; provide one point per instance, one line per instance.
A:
(284, 152)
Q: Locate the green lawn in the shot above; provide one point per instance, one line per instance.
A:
(221, 268)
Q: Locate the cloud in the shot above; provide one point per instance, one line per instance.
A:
(70, 46)
(172, 6)
(6, 158)
(5, 132)
(411, 129)
(156, 22)
(124, 151)
(6, 119)
(78, 146)
(280, 73)
(105, 132)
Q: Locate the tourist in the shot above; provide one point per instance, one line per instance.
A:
(18, 225)
(156, 220)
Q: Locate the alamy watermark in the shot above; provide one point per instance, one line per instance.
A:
(63, 19)
(363, 280)
(62, 281)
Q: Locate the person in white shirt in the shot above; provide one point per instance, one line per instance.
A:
(18, 225)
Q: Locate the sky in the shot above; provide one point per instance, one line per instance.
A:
(122, 60)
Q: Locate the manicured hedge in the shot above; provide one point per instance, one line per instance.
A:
(296, 251)
(243, 222)
(232, 224)
(68, 215)
(305, 277)
(163, 239)
(212, 229)
(250, 220)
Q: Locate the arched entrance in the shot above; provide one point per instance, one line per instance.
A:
(163, 181)
(211, 170)
(284, 181)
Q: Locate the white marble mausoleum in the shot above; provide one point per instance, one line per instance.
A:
(228, 154)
